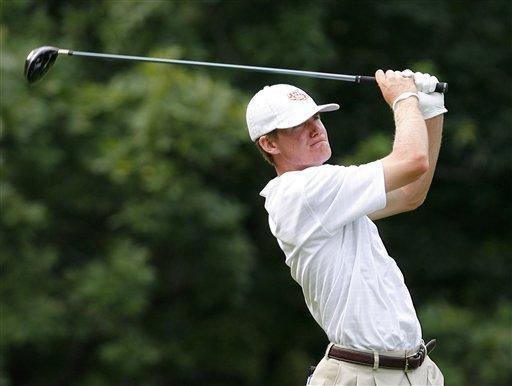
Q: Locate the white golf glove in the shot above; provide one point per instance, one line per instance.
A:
(431, 103)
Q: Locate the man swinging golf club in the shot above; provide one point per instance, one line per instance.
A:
(322, 216)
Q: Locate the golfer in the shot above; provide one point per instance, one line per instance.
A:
(323, 219)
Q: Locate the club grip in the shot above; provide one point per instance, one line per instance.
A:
(441, 87)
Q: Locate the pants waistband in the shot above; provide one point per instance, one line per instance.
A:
(388, 359)
(394, 353)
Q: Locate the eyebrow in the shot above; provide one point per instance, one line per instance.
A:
(301, 124)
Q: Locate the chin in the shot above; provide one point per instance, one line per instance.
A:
(321, 160)
(326, 156)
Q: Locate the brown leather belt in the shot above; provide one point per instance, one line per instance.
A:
(369, 359)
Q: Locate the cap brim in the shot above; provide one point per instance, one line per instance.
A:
(298, 117)
(328, 107)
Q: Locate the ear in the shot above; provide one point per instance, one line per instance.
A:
(269, 145)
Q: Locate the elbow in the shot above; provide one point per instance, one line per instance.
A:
(412, 199)
(413, 203)
(418, 165)
(413, 164)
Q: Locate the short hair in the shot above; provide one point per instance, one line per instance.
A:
(267, 156)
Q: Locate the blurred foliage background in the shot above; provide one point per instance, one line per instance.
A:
(134, 244)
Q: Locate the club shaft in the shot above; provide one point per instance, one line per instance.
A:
(441, 87)
(313, 74)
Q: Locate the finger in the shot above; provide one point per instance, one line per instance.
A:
(407, 73)
(379, 75)
(390, 73)
(425, 82)
(421, 81)
(432, 83)
(419, 76)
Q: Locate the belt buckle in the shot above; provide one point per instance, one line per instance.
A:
(420, 356)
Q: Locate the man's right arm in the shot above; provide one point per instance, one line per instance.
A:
(409, 158)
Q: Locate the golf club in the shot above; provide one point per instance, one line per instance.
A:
(39, 61)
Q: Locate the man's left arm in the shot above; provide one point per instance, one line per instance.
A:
(411, 196)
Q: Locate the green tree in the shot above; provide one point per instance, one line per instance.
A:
(134, 246)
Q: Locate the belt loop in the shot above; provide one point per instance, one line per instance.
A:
(424, 347)
(327, 350)
(375, 360)
(406, 368)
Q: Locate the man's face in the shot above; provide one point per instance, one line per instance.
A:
(302, 146)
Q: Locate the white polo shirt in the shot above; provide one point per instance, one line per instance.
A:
(352, 287)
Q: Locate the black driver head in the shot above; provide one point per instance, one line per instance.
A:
(39, 62)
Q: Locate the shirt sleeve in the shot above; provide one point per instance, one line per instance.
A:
(338, 195)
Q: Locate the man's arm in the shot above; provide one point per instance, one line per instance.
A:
(408, 159)
(411, 196)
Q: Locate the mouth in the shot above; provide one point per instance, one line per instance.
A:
(319, 143)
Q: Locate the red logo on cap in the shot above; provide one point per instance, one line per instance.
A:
(297, 96)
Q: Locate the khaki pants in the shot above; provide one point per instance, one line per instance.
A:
(333, 372)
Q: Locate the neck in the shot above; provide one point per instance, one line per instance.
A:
(281, 169)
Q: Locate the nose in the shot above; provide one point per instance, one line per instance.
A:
(315, 127)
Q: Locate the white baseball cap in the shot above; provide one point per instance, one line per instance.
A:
(281, 106)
